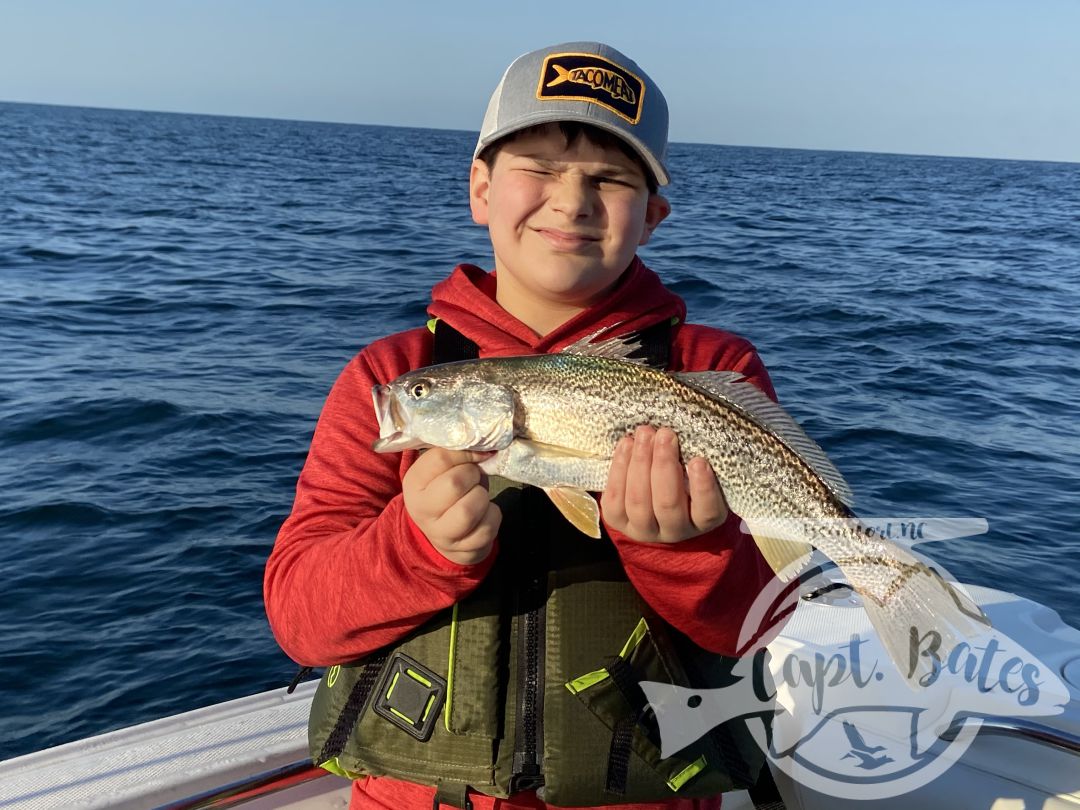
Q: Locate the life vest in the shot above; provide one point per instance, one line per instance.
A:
(532, 682)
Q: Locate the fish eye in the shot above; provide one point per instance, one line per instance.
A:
(419, 389)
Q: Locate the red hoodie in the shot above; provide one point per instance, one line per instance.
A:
(349, 553)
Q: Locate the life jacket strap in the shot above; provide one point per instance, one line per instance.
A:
(618, 763)
(295, 682)
(450, 345)
(655, 348)
(346, 722)
(622, 736)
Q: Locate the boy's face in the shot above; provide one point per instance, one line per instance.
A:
(565, 221)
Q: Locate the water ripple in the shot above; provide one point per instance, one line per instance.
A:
(180, 292)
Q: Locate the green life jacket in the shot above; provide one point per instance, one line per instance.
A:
(532, 683)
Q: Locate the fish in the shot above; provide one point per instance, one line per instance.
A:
(596, 78)
(553, 421)
(811, 685)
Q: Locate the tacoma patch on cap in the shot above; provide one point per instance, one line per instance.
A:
(591, 78)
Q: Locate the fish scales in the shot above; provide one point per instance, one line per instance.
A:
(589, 403)
(555, 420)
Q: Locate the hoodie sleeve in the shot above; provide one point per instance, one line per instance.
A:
(350, 572)
(704, 586)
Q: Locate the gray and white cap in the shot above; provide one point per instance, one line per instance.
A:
(581, 81)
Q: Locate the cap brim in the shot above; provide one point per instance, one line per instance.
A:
(658, 170)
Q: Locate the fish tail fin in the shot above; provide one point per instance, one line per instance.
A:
(920, 617)
(564, 76)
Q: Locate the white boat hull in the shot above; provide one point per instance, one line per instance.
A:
(256, 748)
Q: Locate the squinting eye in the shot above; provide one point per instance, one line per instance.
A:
(420, 389)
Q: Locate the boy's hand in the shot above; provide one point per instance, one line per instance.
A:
(648, 497)
(446, 495)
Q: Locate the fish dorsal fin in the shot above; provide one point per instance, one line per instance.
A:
(614, 348)
(733, 388)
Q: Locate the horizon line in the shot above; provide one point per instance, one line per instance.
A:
(474, 132)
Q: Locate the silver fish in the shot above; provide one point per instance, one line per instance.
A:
(553, 421)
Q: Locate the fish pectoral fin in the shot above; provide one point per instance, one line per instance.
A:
(577, 506)
(785, 556)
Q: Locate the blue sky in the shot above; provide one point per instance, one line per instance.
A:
(953, 77)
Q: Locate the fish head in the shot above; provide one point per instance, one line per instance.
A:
(443, 406)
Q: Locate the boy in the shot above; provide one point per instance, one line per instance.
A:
(389, 559)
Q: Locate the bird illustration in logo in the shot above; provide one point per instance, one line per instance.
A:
(861, 751)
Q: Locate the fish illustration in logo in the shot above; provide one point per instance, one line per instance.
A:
(842, 722)
(598, 79)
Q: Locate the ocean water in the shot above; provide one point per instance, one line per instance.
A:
(178, 293)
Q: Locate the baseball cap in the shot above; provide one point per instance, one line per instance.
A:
(581, 81)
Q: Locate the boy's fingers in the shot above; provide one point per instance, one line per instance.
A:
(708, 508)
(612, 502)
(639, 505)
(446, 489)
(668, 484)
(485, 531)
(436, 461)
(476, 545)
(464, 514)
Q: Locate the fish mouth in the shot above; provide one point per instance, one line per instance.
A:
(393, 423)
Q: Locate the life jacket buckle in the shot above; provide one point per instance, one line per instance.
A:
(410, 696)
(456, 795)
